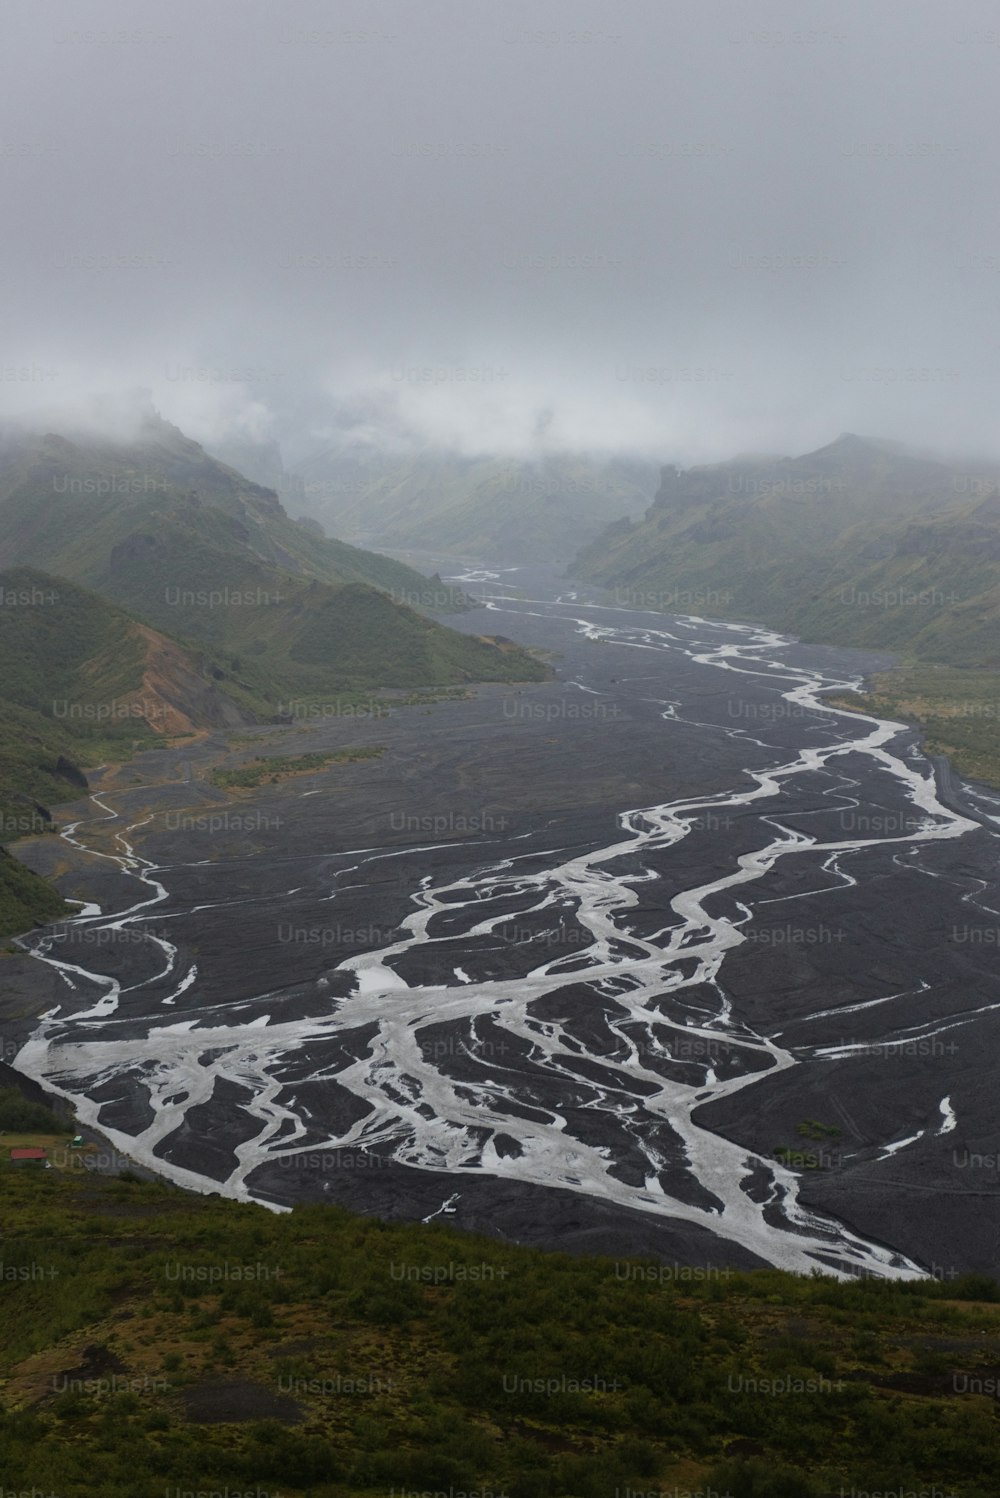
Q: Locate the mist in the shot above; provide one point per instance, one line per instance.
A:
(672, 230)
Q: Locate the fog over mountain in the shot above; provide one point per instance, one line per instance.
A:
(672, 230)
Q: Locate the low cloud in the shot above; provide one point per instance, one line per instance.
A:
(673, 230)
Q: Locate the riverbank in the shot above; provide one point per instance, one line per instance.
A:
(957, 712)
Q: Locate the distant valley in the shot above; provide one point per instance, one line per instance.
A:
(493, 509)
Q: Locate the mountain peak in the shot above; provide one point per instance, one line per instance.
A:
(854, 442)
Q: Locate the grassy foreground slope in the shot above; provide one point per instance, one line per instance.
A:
(154, 1341)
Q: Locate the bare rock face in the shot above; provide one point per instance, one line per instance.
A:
(67, 770)
(178, 691)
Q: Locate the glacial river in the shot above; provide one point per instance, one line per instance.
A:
(608, 1108)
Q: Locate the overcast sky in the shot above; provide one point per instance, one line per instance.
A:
(684, 228)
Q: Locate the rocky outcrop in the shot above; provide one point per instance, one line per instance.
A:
(67, 770)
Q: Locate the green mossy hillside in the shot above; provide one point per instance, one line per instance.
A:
(155, 1341)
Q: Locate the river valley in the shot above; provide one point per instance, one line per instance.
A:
(665, 956)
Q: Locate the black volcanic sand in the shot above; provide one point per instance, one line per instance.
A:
(512, 1211)
(270, 901)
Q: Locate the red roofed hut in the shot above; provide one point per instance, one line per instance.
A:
(26, 1155)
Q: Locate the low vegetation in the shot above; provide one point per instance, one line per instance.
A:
(25, 899)
(154, 1341)
(274, 767)
(19, 1114)
(958, 712)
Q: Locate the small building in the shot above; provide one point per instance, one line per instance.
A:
(28, 1155)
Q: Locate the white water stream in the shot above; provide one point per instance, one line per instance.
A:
(427, 1119)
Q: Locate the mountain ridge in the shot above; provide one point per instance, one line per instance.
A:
(147, 590)
(196, 551)
(857, 543)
